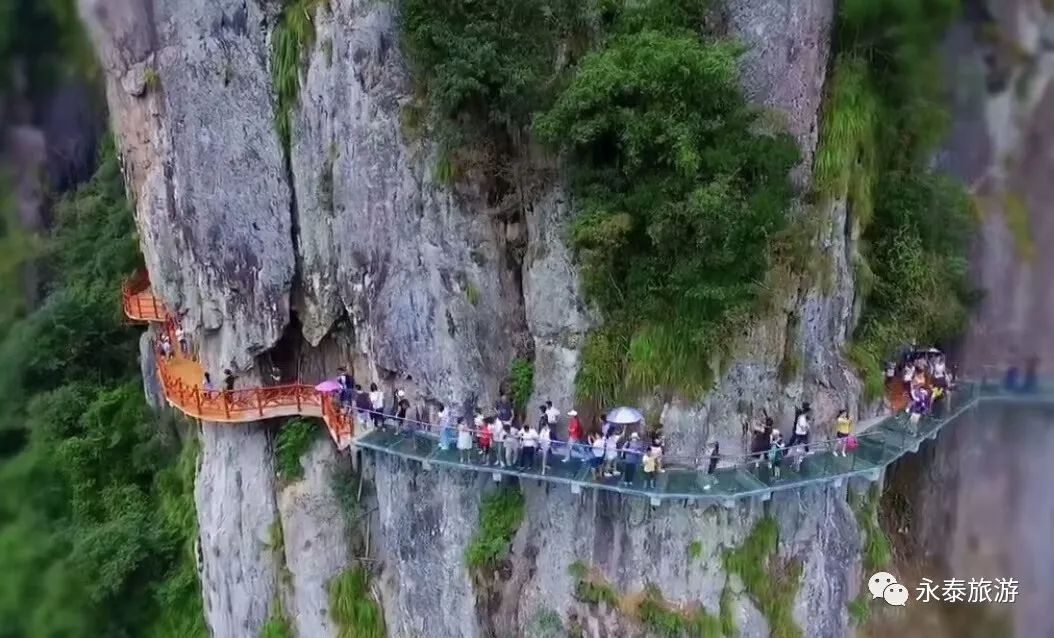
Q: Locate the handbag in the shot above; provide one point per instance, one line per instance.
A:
(850, 442)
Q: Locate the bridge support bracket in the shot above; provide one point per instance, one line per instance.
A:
(576, 488)
(933, 435)
(874, 474)
(915, 447)
(496, 477)
(426, 466)
(729, 503)
(837, 482)
(655, 501)
(766, 496)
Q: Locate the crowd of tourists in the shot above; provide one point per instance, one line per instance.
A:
(917, 380)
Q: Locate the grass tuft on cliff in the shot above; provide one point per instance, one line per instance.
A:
(883, 117)
(876, 549)
(292, 38)
(770, 581)
(291, 443)
(352, 606)
(500, 515)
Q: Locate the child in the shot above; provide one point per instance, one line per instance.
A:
(649, 466)
(776, 453)
(512, 446)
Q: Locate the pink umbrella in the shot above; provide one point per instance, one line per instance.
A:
(328, 386)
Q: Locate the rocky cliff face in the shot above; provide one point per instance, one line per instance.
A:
(356, 240)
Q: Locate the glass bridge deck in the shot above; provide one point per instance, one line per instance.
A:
(736, 477)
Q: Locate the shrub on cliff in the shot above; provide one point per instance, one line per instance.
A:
(680, 195)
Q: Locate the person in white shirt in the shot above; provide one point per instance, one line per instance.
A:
(551, 414)
(377, 401)
(512, 446)
(598, 455)
(529, 444)
(801, 432)
(544, 441)
(497, 435)
(611, 455)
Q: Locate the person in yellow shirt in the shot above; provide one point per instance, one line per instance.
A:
(843, 428)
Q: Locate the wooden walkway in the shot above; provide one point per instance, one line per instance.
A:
(182, 378)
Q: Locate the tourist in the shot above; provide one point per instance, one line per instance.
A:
(574, 433)
(402, 409)
(634, 450)
(377, 406)
(504, 408)
(445, 431)
(346, 384)
(206, 384)
(484, 434)
(920, 398)
(545, 438)
(512, 445)
(801, 427)
(228, 380)
(843, 428)
(528, 444)
(649, 464)
(605, 427)
(552, 414)
(611, 455)
(181, 339)
(715, 457)
(363, 406)
(597, 460)
(464, 441)
(543, 418)
(497, 435)
(166, 346)
(657, 449)
(762, 439)
(776, 453)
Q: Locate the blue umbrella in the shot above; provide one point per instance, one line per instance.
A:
(625, 416)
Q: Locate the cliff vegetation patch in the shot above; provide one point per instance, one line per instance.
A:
(352, 605)
(290, 444)
(292, 38)
(500, 515)
(770, 580)
(884, 117)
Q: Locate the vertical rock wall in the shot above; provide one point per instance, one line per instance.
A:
(234, 496)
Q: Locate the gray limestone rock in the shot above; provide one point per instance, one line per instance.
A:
(426, 520)
(422, 271)
(234, 493)
(316, 539)
(203, 162)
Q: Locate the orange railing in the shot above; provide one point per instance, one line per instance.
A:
(232, 406)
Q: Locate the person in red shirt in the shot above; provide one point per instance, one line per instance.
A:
(483, 437)
(574, 433)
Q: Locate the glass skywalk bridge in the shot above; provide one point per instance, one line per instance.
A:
(737, 477)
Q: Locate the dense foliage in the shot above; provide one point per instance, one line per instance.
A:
(500, 515)
(351, 603)
(884, 117)
(680, 197)
(680, 191)
(96, 498)
(291, 443)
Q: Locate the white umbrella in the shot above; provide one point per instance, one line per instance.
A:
(625, 416)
